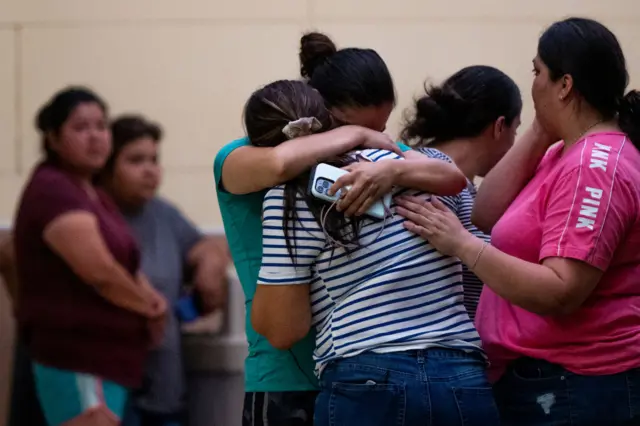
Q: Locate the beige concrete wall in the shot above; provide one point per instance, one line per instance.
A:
(191, 64)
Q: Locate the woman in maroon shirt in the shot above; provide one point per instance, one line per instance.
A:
(85, 313)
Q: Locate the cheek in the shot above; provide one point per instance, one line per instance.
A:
(128, 176)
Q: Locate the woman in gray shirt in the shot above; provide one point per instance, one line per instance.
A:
(173, 252)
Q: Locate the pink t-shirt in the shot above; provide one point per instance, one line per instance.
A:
(582, 205)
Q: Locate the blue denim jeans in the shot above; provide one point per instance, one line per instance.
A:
(416, 388)
(536, 393)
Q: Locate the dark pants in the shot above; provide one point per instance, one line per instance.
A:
(278, 408)
(417, 388)
(536, 393)
(24, 408)
(134, 416)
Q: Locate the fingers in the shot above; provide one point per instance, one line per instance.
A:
(419, 230)
(435, 201)
(416, 218)
(395, 148)
(367, 204)
(354, 200)
(341, 182)
(413, 204)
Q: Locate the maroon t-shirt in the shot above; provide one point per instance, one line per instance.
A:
(64, 322)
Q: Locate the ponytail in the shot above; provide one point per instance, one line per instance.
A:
(629, 116)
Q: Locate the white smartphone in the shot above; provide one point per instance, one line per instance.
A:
(324, 175)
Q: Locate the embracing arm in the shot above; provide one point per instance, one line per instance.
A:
(505, 181)
(574, 252)
(93, 263)
(558, 286)
(282, 303)
(272, 166)
(431, 175)
(282, 313)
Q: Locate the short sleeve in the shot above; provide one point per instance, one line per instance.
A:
(279, 267)
(52, 194)
(380, 154)
(184, 230)
(587, 214)
(222, 155)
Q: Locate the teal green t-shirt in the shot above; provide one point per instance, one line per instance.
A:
(266, 369)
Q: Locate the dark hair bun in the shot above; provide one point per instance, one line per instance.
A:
(43, 118)
(436, 114)
(315, 49)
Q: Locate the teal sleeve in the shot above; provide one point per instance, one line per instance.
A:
(222, 155)
(403, 147)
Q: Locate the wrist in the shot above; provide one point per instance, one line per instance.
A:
(355, 136)
(396, 171)
(468, 249)
(540, 138)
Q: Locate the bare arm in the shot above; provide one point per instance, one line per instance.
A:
(282, 314)
(369, 181)
(428, 174)
(270, 167)
(503, 184)
(8, 267)
(558, 286)
(209, 259)
(76, 238)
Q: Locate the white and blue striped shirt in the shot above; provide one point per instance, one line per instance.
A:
(393, 294)
(471, 283)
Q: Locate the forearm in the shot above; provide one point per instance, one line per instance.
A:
(531, 286)
(122, 290)
(299, 155)
(430, 175)
(505, 181)
(273, 166)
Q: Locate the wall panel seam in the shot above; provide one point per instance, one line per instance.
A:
(17, 100)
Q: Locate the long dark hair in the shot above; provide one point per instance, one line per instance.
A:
(266, 113)
(463, 106)
(350, 77)
(591, 54)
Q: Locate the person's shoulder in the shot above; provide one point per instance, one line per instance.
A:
(222, 155)
(376, 154)
(435, 153)
(46, 174)
(600, 153)
(48, 182)
(160, 206)
(230, 147)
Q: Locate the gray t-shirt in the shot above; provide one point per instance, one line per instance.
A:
(165, 237)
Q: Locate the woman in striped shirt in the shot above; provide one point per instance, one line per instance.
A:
(471, 119)
(394, 344)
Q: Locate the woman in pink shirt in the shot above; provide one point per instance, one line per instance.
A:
(560, 313)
